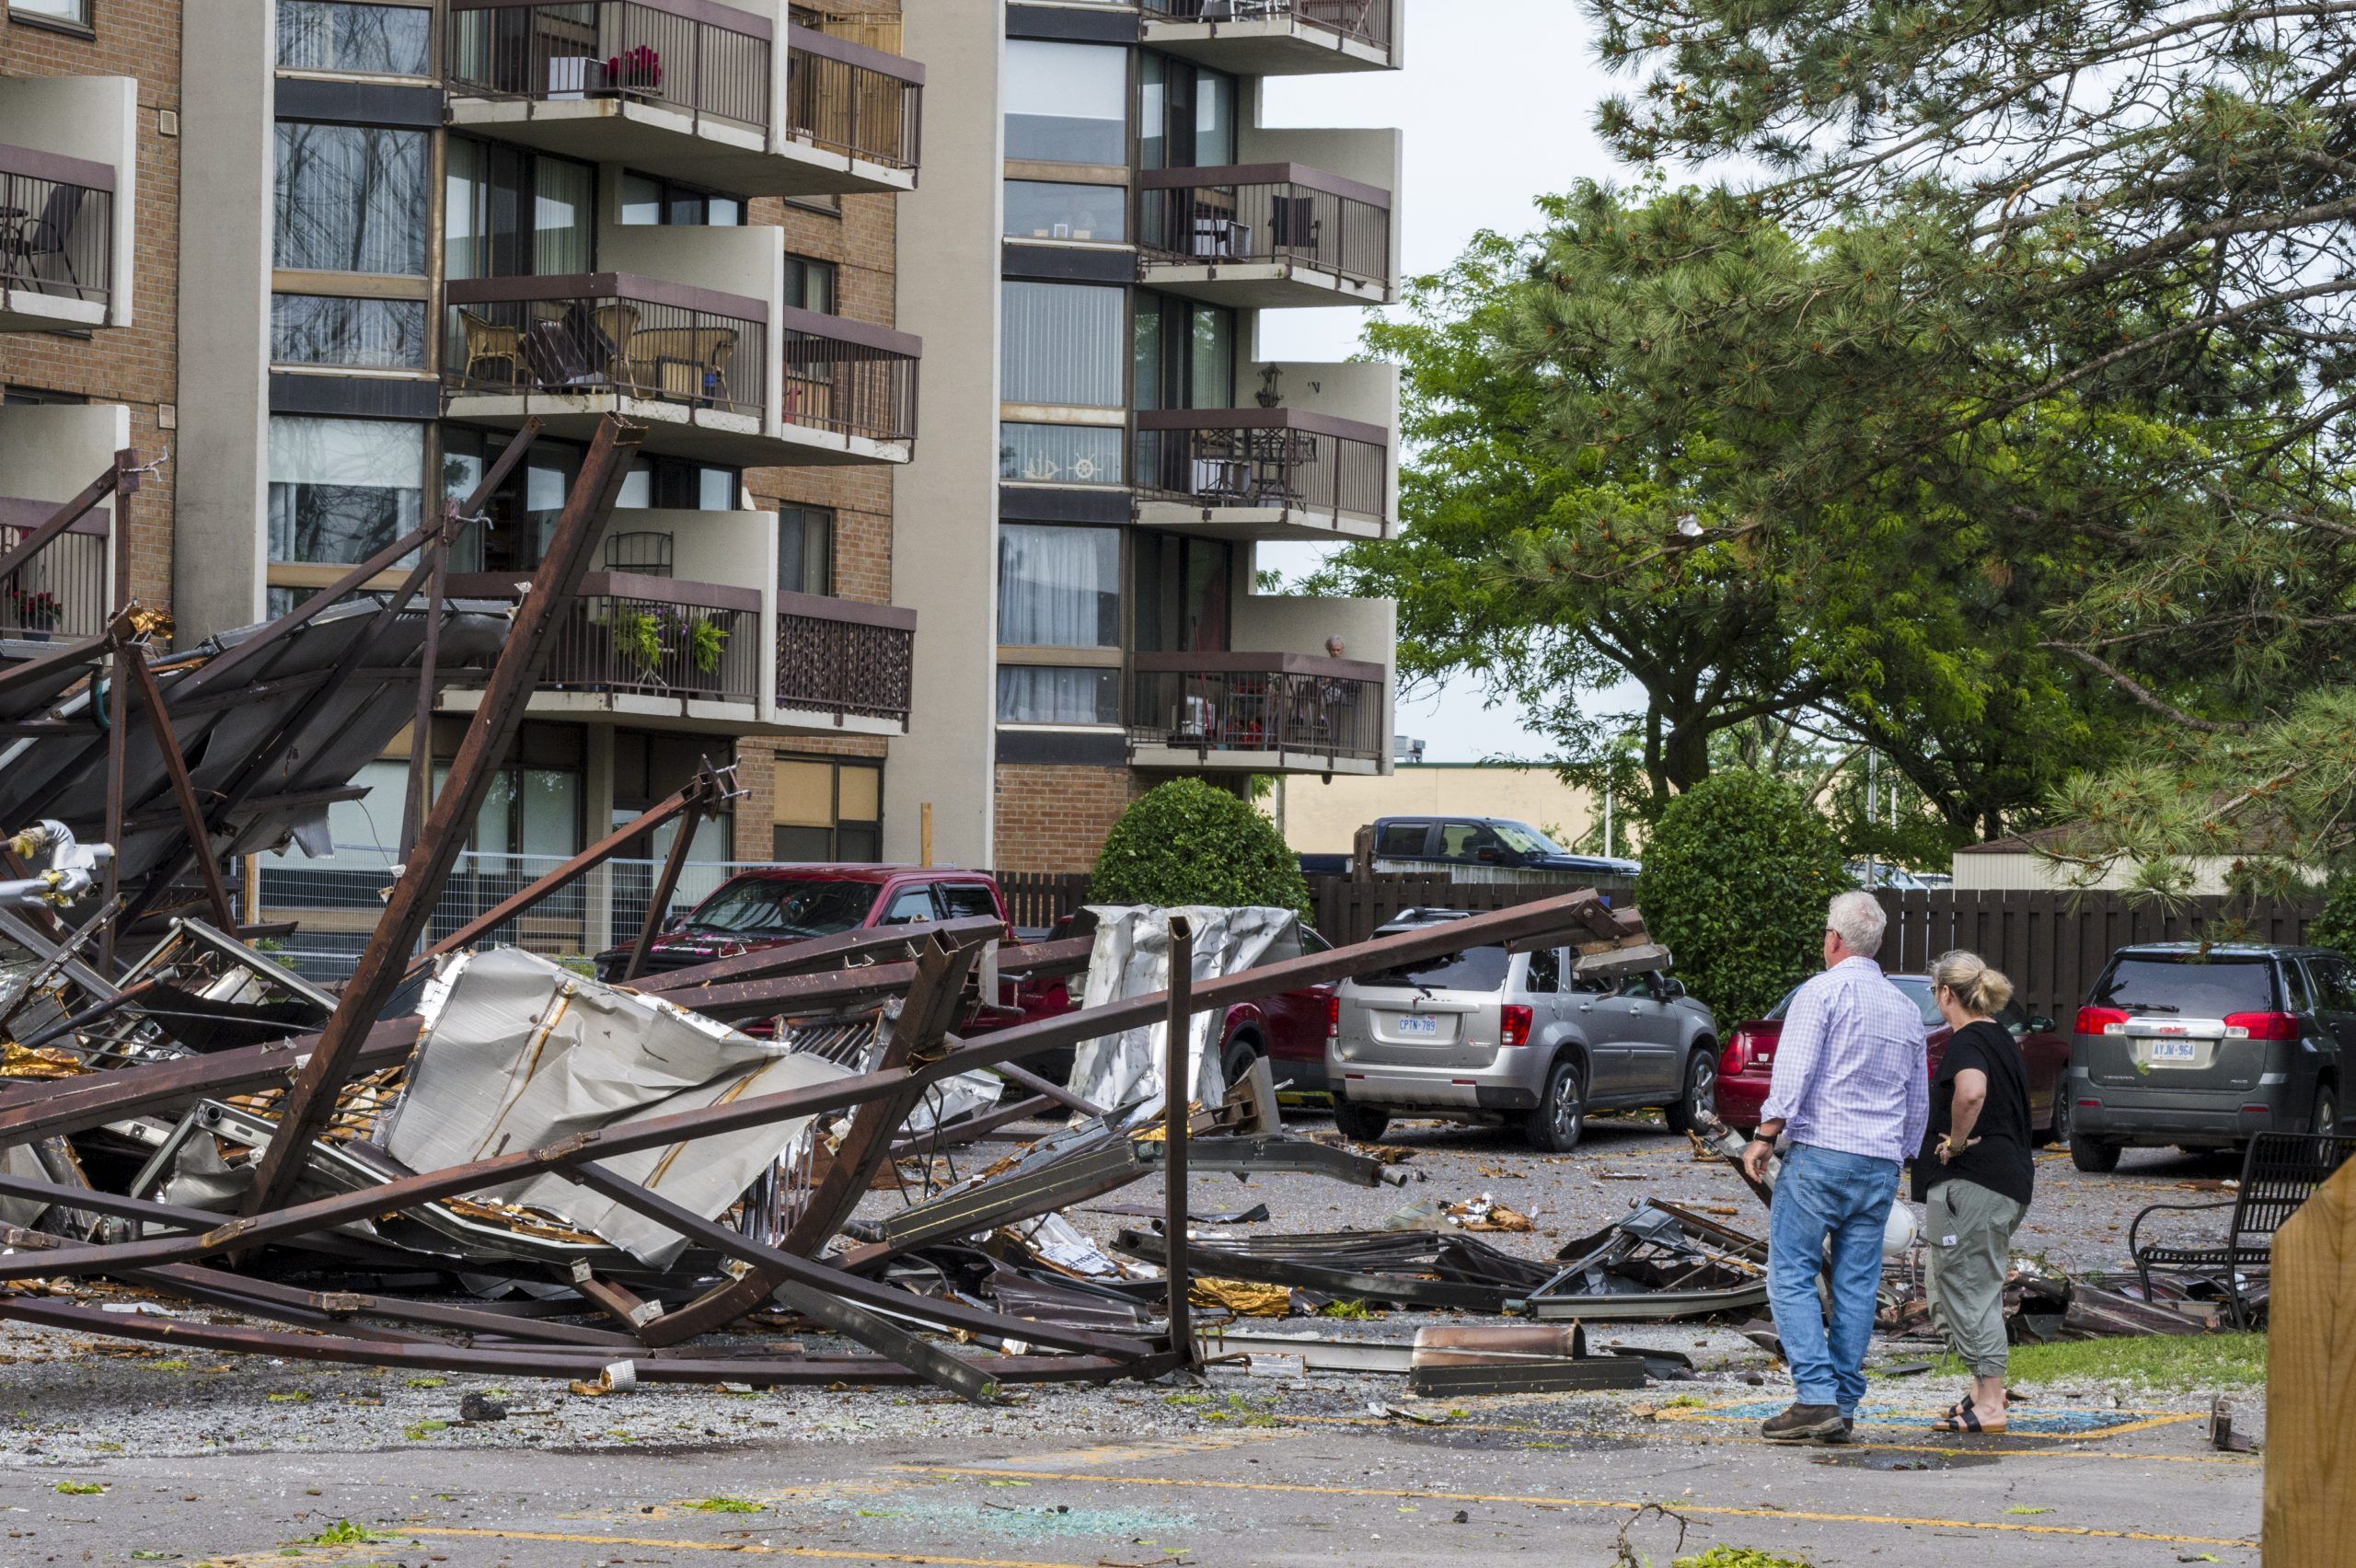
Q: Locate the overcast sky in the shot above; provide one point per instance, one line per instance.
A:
(1495, 116)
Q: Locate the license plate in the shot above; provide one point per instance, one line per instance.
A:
(1416, 1023)
(2172, 1051)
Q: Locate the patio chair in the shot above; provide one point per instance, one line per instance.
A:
(618, 325)
(2279, 1172)
(487, 343)
(46, 235)
(687, 365)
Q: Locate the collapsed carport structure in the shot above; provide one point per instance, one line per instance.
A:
(468, 1158)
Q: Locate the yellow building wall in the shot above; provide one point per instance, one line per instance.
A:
(1319, 816)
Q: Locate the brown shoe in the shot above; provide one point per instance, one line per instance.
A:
(1804, 1423)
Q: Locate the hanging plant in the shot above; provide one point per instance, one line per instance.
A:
(705, 641)
(637, 638)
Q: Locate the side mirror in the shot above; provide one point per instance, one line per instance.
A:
(2040, 1026)
(1672, 988)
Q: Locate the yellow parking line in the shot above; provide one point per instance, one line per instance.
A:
(746, 1547)
(1606, 1503)
(1762, 1442)
(2091, 1435)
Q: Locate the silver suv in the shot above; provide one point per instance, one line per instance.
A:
(1493, 1038)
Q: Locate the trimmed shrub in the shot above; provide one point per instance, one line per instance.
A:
(1187, 842)
(2336, 925)
(1736, 880)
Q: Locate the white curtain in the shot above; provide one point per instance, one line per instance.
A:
(1058, 587)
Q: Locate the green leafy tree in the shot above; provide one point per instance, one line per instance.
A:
(1738, 873)
(1189, 842)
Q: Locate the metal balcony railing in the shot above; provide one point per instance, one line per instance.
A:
(1302, 705)
(1366, 21)
(608, 332)
(844, 658)
(649, 635)
(1263, 214)
(852, 98)
(56, 224)
(849, 377)
(710, 61)
(1265, 458)
(63, 590)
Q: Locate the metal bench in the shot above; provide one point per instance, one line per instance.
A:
(2280, 1171)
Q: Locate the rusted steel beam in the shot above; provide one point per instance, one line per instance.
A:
(192, 821)
(1525, 923)
(1177, 1090)
(565, 876)
(658, 902)
(386, 961)
(118, 693)
(416, 797)
(71, 513)
(879, 944)
(64, 656)
(973, 1128)
(792, 994)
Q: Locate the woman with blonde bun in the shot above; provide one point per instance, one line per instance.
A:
(1973, 1177)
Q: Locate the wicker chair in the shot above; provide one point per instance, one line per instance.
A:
(683, 363)
(488, 343)
(617, 323)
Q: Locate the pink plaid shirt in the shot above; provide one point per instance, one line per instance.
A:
(1852, 1071)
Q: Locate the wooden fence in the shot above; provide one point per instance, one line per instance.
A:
(2052, 945)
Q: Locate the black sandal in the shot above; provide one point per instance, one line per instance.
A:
(1965, 1420)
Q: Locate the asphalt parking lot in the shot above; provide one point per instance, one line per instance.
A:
(201, 1458)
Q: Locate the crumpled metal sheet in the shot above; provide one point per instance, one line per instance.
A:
(1132, 959)
(518, 1053)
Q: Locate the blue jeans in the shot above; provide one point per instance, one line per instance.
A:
(1824, 1194)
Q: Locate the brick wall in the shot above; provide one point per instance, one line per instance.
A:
(1054, 819)
(755, 763)
(136, 365)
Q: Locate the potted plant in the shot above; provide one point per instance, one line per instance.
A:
(32, 611)
(636, 70)
(638, 638)
(704, 642)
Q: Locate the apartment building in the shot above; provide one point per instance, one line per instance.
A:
(90, 153)
(1107, 223)
(410, 226)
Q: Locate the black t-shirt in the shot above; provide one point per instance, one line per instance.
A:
(2000, 1161)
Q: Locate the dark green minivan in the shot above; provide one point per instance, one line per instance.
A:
(2204, 1047)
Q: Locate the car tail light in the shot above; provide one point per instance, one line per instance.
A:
(1731, 1060)
(1513, 1029)
(2261, 1026)
(2101, 1020)
(1334, 1016)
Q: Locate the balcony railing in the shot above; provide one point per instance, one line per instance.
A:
(1264, 458)
(706, 60)
(1265, 214)
(1364, 21)
(56, 224)
(851, 660)
(1294, 704)
(608, 332)
(648, 636)
(852, 98)
(850, 378)
(63, 590)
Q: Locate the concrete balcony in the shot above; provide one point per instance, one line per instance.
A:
(50, 453)
(849, 393)
(68, 172)
(1265, 236)
(1257, 713)
(1277, 38)
(1264, 473)
(688, 88)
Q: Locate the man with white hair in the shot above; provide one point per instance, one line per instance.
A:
(1850, 1096)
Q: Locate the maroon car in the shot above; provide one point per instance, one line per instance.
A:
(1749, 1059)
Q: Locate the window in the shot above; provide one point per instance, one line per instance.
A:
(648, 200)
(963, 901)
(1039, 208)
(1465, 840)
(2335, 981)
(679, 484)
(805, 549)
(76, 12)
(1058, 587)
(1185, 115)
(810, 284)
(1059, 455)
(356, 334)
(509, 213)
(1478, 969)
(1062, 344)
(1066, 102)
(1184, 586)
(828, 811)
(342, 490)
(356, 40)
(909, 907)
(38, 397)
(535, 804)
(647, 769)
(2192, 986)
(1048, 694)
(1403, 841)
(351, 199)
(1184, 353)
(522, 513)
(1546, 972)
(2294, 987)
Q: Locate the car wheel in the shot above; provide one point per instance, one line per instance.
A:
(1360, 1124)
(2326, 1116)
(2093, 1155)
(1561, 1116)
(1699, 1101)
(1237, 1061)
(2058, 1132)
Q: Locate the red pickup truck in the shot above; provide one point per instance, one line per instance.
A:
(777, 904)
